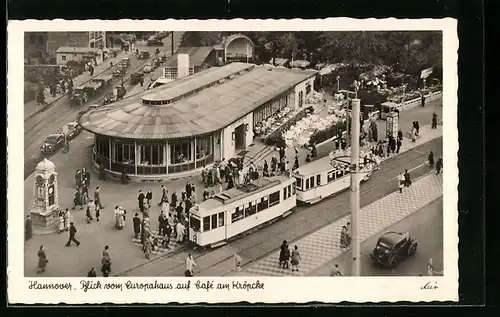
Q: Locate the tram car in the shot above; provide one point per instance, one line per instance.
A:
(328, 176)
(238, 210)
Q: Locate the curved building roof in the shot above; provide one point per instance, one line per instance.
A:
(194, 105)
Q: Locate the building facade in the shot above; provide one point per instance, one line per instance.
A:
(200, 58)
(192, 122)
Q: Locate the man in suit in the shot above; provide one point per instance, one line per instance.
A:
(72, 234)
(137, 226)
(97, 198)
(140, 198)
(149, 196)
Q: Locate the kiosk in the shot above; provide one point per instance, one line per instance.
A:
(392, 124)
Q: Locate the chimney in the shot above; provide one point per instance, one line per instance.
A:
(182, 65)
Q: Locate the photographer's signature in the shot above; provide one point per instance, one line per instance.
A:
(430, 285)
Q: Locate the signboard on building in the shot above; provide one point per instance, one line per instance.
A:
(426, 72)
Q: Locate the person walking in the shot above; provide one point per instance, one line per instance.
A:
(179, 229)
(72, 235)
(164, 195)
(60, 228)
(140, 200)
(149, 197)
(137, 226)
(295, 259)
(106, 259)
(431, 159)
(190, 264)
(401, 182)
(42, 260)
(434, 121)
(399, 143)
(67, 219)
(348, 234)
(407, 179)
(343, 238)
(439, 166)
(97, 198)
(28, 228)
(284, 255)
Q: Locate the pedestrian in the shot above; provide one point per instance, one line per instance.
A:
(348, 234)
(168, 233)
(60, 228)
(417, 127)
(401, 182)
(343, 238)
(42, 260)
(67, 219)
(97, 212)
(296, 163)
(400, 134)
(434, 121)
(72, 235)
(284, 255)
(398, 145)
(190, 264)
(149, 196)
(173, 201)
(140, 199)
(162, 220)
(92, 273)
(97, 198)
(407, 179)
(295, 259)
(179, 230)
(137, 226)
(336, 271)
(431, 159)
(147, 243)
(28, 228)
(188, 190)
(164, 195)
(439, 166)
(106, 259)
(77, 201)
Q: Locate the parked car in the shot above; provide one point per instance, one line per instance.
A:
(136, 78)
(74, 129)
(52, 143)
(155, 42)
(109, 98)
(119, 72)
(125, 62)
(148, 68)
(393, 247)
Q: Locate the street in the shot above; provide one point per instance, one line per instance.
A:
(426, 225)
(52, 119)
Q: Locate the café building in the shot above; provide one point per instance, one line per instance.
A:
(192, 122)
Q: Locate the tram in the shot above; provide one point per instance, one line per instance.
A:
(328, 176)
(240, 209)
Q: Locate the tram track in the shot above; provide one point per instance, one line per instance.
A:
(325, 207)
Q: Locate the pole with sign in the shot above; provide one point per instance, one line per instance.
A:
(354, 199)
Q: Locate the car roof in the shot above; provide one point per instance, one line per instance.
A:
(391, 237)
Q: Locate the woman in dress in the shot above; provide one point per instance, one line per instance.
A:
(295, 259)
(61, 223)
(431, 159)
(401, 182)
(284, 255)
(42, 260)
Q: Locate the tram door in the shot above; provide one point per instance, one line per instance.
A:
(194, 228)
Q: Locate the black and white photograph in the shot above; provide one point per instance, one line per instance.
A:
(242, 156)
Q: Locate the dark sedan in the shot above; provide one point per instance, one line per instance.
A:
(393, 247)
(74, 129)
(53, 143)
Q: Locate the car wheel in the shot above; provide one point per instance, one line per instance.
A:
(393, 261)
(412, 250)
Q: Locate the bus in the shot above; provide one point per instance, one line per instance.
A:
(240, 209)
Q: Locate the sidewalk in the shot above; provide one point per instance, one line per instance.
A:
(31, 107)
(323, 245)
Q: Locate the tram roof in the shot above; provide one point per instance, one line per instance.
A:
(322, 165)
(237, 193)
(201, 110)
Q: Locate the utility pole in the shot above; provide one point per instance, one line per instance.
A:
(172, 45)
(355, 216)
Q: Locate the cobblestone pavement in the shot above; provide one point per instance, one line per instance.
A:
(323, 245)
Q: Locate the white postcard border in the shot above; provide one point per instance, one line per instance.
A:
(276, 290)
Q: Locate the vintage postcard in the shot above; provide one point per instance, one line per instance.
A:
(214, 161)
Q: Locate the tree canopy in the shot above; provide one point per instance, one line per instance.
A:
(406, 51)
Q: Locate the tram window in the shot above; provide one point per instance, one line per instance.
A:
(311, 181)
(251, 209)
(330, 176)
(340, 173)
(221, 219)
(274, 198)
(194, 223)
(293, 190)
(237, 215)
(214, 221)
(307, 184)
(285, 190)
(263, 204)
(318, 179)
(206, 223)
(299, 183)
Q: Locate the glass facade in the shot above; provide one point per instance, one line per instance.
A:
(270, 108)
(153, 157)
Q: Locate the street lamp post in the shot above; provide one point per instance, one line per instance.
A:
(338, 84)
(354, 199)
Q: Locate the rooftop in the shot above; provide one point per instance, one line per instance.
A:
(199, 111)
(197, 56)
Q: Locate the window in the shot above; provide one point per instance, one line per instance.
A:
(308, 88)
(307, 184)
(289, 191)
(293, 190)
(285, 190)
(237, 214)
(206, 223)
(180, 152)
(301, 98)
(274, 198)
(214, 221)
(318, 179)
(63, 58)
(203, 147)
(221, 219)
(339, 173)
(330, 177)
(194, 223)
(311, 181)
(263, 204)
(251, 209)
(299, 183)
